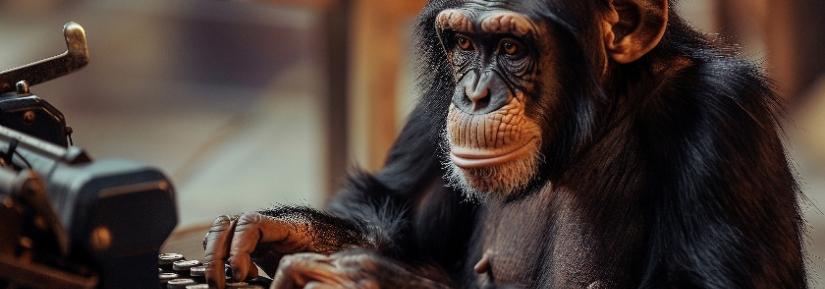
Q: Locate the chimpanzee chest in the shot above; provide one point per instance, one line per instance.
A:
(536, 242)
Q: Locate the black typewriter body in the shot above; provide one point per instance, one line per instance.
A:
(66, 220)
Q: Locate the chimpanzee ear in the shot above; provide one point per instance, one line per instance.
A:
(631, 28)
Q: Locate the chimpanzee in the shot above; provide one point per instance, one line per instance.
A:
(557, 144)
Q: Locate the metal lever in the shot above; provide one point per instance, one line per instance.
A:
(76, 57)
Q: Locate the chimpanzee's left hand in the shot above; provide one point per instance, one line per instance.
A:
(354, 269)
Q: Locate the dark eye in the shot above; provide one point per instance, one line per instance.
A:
(510, 47)
(463, 42)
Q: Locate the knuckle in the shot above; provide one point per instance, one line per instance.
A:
(358, 260)
(249, 218)
(219, 225)
(287, 262)
(221, 220)
(301, 260)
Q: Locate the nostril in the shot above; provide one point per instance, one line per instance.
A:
(477, 94)
(480, 99)
(481, 104)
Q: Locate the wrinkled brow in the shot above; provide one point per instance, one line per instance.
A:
(497, 22)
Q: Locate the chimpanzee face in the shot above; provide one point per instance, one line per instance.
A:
(504, 70)
(510, 107)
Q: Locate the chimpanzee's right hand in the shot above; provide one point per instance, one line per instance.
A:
(250, 239)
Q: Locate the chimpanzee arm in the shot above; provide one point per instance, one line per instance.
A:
(723, 194)
(375, 212)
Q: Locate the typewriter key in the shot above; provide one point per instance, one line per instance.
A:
(180, 283)
(165, 260)
(184, 265)
(198, 286)
(197, 272)
(164, 277)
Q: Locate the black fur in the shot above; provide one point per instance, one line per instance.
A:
(682, 180)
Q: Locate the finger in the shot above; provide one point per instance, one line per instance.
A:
(296, 271)
(217, 249)
(251, 230)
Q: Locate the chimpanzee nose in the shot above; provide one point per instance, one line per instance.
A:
(480, 94)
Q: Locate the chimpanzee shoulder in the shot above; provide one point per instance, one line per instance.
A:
(721, 189)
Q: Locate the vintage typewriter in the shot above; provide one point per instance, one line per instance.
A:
(68, 221)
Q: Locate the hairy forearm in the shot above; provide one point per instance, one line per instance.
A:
(318, 231)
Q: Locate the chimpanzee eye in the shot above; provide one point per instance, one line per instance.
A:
(464, 42)
(510, 47)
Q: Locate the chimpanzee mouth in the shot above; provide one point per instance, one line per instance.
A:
(473, 158)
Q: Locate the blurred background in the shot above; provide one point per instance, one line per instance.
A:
(250, 104)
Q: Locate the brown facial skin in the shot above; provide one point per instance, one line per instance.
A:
(493, 129)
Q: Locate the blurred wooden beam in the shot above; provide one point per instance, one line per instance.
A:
(381, 32)
(726, 20)
(337, 31)
(796, 41)
(742, 22)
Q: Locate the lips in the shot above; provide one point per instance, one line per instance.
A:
(471, 158)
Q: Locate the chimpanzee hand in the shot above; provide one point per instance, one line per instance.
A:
(265, 238)
(354, 269)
